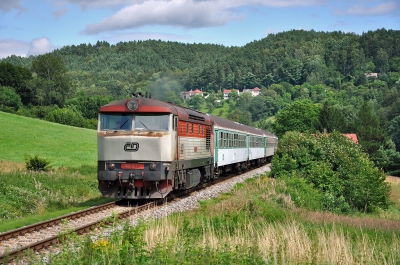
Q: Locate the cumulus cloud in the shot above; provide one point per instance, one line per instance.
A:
(177, 13)
(40, 46)
(90, 4)
(271, 31)
(187, 14)
(13, 47)
(368, 10)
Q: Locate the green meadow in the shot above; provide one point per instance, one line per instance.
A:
(61, 145)
(71, 184)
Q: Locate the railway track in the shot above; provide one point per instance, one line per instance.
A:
(44, 235)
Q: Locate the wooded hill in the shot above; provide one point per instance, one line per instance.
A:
(294, 57)
(345, 82)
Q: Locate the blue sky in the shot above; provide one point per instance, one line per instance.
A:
(32, 27)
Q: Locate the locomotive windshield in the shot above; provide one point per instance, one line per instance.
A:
(137, 122)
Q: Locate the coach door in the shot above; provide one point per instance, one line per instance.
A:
(216, 145)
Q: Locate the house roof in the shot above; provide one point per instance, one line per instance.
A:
(256, 88)
(352, 137)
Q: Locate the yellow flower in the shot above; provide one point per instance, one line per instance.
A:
(102, 243)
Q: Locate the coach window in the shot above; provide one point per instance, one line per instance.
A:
(221, 139)
(192, 128)
(187, 127)
(225, 139)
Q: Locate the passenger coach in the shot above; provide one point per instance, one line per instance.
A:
(148, 148)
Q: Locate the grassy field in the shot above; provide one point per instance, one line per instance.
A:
(257, 223)
(60, 144)
(28, 197)
(254, 224)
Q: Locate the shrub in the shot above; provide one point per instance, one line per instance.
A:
(66, 116)
(36, 111)
(335, 166)
(10, 101)
(37, 163)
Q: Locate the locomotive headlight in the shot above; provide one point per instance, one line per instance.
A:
(111, 166)
(132, 104)
(153, 166)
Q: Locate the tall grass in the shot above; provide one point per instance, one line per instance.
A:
(27, 196)
(254, 224)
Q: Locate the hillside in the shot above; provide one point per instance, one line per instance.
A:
(60, 144)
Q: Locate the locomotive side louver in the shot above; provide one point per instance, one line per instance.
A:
(197, 118)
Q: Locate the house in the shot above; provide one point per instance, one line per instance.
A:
(191, 93)
(374, 75)
(254, 92)
(227, 91)
(352, 137)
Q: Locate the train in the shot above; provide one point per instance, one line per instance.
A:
(148, 148)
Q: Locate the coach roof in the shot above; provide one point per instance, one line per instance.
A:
(231, 125)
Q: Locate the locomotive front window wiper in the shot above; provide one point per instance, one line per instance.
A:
(145, 126)
(123, 123)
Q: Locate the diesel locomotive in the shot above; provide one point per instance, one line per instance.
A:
(148, 148)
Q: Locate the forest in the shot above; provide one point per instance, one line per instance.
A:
(310, 82)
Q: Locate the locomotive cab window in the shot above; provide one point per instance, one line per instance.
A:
(139, 122)
(152, 122)
(115, 121)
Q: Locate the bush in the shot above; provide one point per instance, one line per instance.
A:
(37, 163)
(36, 111)
(66, 116)
(10, 101)
(335, 166)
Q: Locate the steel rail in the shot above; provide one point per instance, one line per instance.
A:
(12, 255)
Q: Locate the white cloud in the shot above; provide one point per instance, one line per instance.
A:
(187, 14)
(40, 46)
(368, 10)
(271, 31)
(177, 13)
(89, 4)
(13, 47)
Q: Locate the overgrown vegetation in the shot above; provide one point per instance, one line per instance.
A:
(333, 169)
(254, 224)
(32, 196)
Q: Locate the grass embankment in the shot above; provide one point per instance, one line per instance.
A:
(257, 223)
(60, 144)
(27, 197)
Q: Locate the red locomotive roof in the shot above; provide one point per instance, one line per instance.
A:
(149, 105)
(144, 105)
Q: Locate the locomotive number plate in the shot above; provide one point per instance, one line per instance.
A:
(132, 166)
